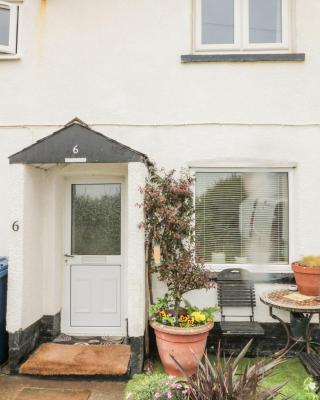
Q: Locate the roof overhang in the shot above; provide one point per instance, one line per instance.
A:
(77, 143)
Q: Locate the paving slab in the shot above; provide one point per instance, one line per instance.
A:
(10, 386)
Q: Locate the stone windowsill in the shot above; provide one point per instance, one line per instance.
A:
(193, 58)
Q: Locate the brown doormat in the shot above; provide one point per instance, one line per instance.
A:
(63, 359)
(52, 394)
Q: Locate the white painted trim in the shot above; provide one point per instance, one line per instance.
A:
(75, 160)
(265, 267)
(199, 46)
(11, 48)
(241, 32)
(240, 163)
(111, 260)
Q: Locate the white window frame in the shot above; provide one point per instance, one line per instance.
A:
(11, 48)
(241, 31)
(265, 268)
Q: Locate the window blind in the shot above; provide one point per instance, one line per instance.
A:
(242, 217)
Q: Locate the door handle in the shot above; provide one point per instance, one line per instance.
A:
(68, 256)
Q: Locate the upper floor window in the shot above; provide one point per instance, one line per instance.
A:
(8, 28)
(242, 217)
(241, 25)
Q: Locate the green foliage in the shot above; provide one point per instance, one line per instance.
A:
(143, 387)
(208, 312)
(311, 389)
(188, 316)
(290, 370)
(169, 222)
(162, 304)
(222, 379)
(310, 261)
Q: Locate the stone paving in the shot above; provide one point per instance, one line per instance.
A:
(10, 386)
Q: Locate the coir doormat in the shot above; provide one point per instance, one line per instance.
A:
(52, 394)
(52, 359)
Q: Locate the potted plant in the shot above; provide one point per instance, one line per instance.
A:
(307, 275)
(181, 329)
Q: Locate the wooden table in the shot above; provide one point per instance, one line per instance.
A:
(277, 299)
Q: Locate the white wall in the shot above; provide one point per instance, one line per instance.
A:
(137, 173)
(26, 250)
(116, 64)
(11, 141)
(118, 61)
(53, 241)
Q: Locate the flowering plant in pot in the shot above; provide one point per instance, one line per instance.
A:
(307, 275)
(181, 329)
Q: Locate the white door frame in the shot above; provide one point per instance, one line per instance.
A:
(110, 260)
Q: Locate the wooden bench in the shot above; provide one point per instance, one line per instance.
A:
(236, 289)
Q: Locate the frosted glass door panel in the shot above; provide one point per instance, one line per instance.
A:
(96, 219)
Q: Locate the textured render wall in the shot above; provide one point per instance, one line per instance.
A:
(53, 241)
(32, 295)
(14, 207)
(11, 140)
(25, 253)
(125, 68)
(135, 252)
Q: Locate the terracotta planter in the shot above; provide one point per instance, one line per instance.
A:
(187, 345)
(307, 279)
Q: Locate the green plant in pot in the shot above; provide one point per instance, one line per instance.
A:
(181, 329)
(307, 275)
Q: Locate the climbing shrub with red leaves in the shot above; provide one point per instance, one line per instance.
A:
(169, 223)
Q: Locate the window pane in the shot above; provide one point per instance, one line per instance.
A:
(217, 21)
(4, 26)
(265, 20)
(242, 217)
(96, 219)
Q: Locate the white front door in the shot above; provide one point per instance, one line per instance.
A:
(93, 259)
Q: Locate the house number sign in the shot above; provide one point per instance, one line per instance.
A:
(15, 226)
(75, 151)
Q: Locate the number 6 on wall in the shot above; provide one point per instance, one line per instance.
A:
(15, 226)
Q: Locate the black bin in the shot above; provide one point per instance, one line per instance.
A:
(3, 310)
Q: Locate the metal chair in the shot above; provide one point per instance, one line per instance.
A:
(311, 363)
(236, 289)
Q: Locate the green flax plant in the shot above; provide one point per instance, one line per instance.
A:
(223, 379)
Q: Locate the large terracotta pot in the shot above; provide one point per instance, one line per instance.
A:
(307, 279)
(186, 345)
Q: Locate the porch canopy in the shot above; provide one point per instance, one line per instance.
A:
(41, 177)
(77, 143)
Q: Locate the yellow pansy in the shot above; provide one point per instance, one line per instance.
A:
(198, 316)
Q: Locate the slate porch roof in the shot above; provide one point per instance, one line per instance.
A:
(77, 142)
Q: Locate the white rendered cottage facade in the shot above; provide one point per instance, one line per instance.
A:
(228, 89)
